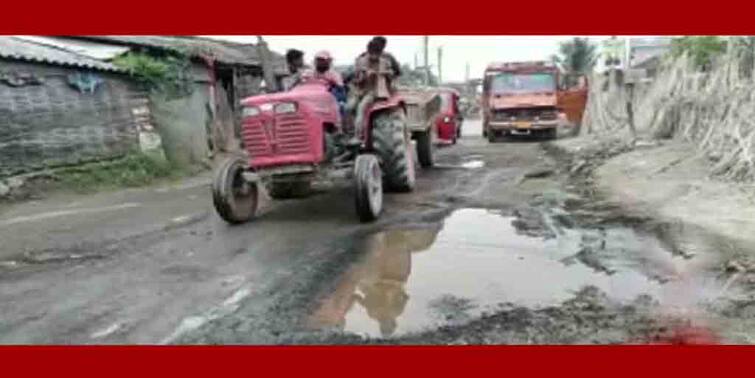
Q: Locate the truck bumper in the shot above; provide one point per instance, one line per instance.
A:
(521, 126)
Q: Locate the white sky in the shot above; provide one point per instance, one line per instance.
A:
(457, 50)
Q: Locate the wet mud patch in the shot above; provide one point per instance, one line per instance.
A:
(472, 161)
(416, 280)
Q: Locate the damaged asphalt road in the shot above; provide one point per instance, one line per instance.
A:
(498, 244)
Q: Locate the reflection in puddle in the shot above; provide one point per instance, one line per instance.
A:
(472, 262)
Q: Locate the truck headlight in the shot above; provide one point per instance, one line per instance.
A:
(285, 107)
(250, 111)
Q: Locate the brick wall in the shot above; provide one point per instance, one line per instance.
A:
(54, 124)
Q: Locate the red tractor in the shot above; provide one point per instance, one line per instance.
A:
(293, 137)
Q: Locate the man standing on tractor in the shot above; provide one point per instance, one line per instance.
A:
(365, 85)
(381, 44)
(295, 63)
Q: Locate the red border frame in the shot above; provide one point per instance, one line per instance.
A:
(575, 17)
(471, 361)
(590, 17)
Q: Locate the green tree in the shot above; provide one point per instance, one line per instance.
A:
(577, 55)
(702, 50)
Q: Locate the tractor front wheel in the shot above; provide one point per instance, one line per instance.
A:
(369, 187)
(236, 200)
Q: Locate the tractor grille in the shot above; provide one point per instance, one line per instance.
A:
(292, 134)
(255, 138)
(281, 135)
(544, 114)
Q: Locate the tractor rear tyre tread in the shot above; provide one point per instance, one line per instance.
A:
(391, 143)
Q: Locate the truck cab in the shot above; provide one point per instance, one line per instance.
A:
(520, 98)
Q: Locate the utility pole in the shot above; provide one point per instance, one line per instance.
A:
(267, 65)
(415, 61)
(427, 59)
(440, 65)
(467, 85)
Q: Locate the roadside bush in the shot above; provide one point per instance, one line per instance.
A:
(169, 74)
(135, 169)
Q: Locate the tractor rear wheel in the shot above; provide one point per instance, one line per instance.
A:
(424, 149)
(390, 140)
(236, 200)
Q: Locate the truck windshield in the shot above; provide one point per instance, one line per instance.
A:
(512, 82)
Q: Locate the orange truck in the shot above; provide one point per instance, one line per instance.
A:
(528, 98)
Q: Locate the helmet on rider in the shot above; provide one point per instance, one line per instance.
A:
(323, 60)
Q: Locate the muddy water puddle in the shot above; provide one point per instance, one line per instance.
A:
(476, 260)
(467, 162)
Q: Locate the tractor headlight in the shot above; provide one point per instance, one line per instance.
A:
(250, 111)
(285, 107)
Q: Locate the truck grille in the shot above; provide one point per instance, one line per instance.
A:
(546, 114)
(280, 135)
(413, 114)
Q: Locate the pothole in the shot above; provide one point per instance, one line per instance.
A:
(410, 280)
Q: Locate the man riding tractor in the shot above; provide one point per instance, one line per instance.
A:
(323, 72)
(366, 88)
(293, 137)
(295, 65)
